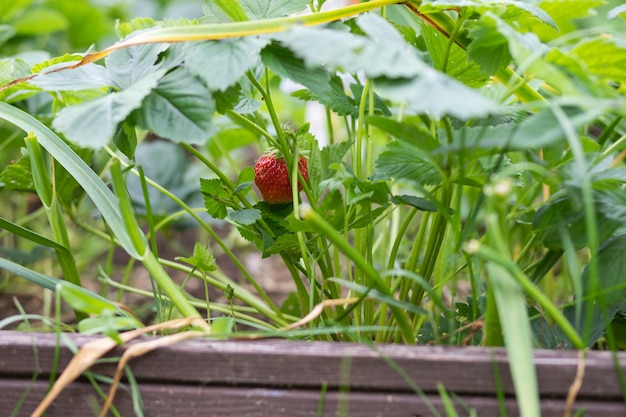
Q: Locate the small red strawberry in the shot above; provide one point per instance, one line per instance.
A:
(272, 178)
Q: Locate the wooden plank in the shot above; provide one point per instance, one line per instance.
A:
(290, 364)
(80, 400)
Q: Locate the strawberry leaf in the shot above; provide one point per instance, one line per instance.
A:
(216, 197)
(202, 259)
(127, 66)
(267, 9)
(405, 161)
(245, 216)
(92, 123)
(229, 60)
(179, 109)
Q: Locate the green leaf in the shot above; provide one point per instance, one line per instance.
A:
(179, 109)
(617, 11)
(488, 48)
(437, 95)
(284, 63)
(563, 214)
(90, 76)
(267, 9)
(564, 13)
(128, 66)
(220, 64)
(88, 23)
(509, 10)
(222, 325)
(245, 216)
(84, 301)
(51, 283)
(39, 20)
(202, 259)
(419, 203)
(108, 325)
(102, 197)
(125, 138)
(611, 270)
(123, 29)
(452, 58)
(18, 176)
(537, 131)
(383, 53)
(213, 13)
(332, 95)
(6, 33)
(604, 57)
(232, 9)
(406, 130)
(244, 180)
(12, 69)
(92, 124)
(8, 9)
(513, 314)
(286, 244)
(404, 161)
(215, 197)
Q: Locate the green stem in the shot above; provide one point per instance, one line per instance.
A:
(375, 280)
(489, 254)
(148, 258)
(213, 235)
(46, 190)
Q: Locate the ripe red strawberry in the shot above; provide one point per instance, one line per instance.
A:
(272, 178)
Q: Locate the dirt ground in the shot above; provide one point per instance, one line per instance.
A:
(272, 276)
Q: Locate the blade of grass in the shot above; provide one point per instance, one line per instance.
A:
(518, 337)
(95, 188)
(313, 218)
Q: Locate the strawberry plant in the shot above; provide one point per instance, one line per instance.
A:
(465, 184)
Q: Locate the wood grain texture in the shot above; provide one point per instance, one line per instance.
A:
(278, 377)
(81, 400)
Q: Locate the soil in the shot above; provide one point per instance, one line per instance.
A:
(270, 273)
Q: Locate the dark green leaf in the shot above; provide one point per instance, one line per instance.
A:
(215, 197)
(220, 64)
(18, 176)
(404, 161)
(125, 138)
(436, 94)
(179, 109)
(286, 244)
(539, 130)
(127, 66)
(90, 76)
(245, 217)
(284, 63)
(612, 269)
(488, 48)
(419, 203)
(406, 131)
(245, 180)
(267, 9)
(450, 58)
(92, 124)
(202, 259)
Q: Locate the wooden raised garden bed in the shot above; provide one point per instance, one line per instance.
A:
(286, 378)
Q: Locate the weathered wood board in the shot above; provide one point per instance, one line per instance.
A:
(285, 378)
